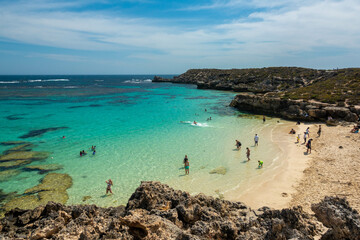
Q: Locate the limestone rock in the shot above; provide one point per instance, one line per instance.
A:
(156, 211)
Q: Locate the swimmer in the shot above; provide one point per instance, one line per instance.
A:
(195, 123)
(63, 137)
(260, 164)
(81, 153)
(109, 184)
(238, 144)
(248, 153)
(210, 118)
(94, 152)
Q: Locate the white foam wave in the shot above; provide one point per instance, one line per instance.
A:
(49, 80)
(5, 82)
(137, 81)
(198, 124)
(71, 87)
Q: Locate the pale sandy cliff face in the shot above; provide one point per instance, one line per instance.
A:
(156, 211)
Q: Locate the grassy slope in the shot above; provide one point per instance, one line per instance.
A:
(344, 86)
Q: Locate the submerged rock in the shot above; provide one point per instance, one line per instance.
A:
(52, 188)
(5, 175)
(14, 163)
(156, 211)
(22, 147)
(12, 143)
(52, 182)
(39, 132)
(24, 155)
(219, 170)
(44, 168)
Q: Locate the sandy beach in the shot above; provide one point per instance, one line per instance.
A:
(333, 168)
(303, 179)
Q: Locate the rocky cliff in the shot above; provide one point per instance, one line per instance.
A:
(156, 211)
(289, 92)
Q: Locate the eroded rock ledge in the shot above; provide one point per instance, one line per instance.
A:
(294, 109)
(156, 211)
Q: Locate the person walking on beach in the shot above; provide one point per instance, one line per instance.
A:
(298, 138)
(305, 136)
(308, 146)
(109, 184)
(248, 153)
(319, 131)
(187, 166)
(264, 119)
(256, 139)
(308, 131)
(238, 144)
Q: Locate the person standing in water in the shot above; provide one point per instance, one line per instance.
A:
(187, 166)
(264, 119)
(185, 158)
(248, 153)
(256, 139)
(109, 184)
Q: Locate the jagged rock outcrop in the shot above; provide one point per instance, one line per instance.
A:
(293, 109)
(336, 214)
(156, 211)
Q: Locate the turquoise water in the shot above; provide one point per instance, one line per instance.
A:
(141, 130)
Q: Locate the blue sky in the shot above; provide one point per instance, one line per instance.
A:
(170, 37)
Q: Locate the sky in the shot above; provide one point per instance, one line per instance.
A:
(170, 37)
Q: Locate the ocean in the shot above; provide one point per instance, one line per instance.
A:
(141, 130)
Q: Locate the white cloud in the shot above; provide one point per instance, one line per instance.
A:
(284, 30)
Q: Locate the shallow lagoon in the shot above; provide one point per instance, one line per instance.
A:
(141, 130)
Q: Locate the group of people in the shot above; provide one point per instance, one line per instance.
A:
(256, 143)
(83, 153)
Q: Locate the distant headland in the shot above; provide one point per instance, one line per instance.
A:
(289, 92)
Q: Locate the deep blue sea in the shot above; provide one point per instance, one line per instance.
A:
(141, 131)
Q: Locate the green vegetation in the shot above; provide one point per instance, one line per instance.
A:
(344, 86)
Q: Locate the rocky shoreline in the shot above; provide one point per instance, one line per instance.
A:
(156, 211)
(263, 91)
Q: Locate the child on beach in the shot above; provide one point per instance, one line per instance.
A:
(260, 164)
(248, 153)
(238, 144)
(298, 138)
(109, 184)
